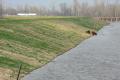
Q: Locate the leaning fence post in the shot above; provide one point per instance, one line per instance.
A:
(20, 67)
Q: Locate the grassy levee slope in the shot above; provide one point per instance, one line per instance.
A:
(34, 41)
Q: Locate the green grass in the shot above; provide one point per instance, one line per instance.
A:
(6, 62)
(40, 38)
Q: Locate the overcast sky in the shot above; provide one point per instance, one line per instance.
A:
(40, 2)
(37, 2)
(46, 3)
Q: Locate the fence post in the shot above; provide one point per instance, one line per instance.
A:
(20, 67)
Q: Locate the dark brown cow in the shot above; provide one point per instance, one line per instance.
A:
(94, 33)
(88, 32)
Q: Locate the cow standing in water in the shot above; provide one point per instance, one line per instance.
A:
(93, 33)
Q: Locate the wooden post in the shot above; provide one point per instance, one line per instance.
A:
(116, 19)
(20, 67)
(111, 19)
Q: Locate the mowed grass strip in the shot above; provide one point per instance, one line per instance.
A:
(7, 62)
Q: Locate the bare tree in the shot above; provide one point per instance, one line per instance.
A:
(1, 8)
(26, 8)
(99, 8)
(116, 7)
(63, 8)
(84, 9)
(76, 8)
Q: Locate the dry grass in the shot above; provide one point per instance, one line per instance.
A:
(5, 74)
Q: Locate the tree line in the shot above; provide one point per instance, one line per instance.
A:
(77, 8)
